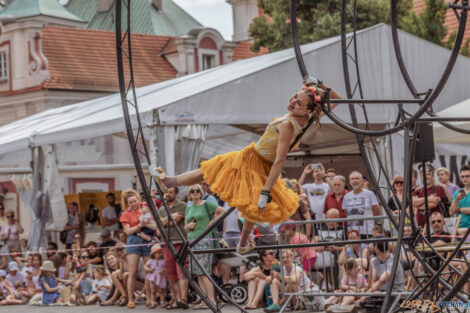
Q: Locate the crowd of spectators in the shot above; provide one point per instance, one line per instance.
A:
(130, 262)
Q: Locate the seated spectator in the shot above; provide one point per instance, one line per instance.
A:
(106, 243)
(327, 256)
(352, 281)
(14, 277)
(256, 279)
(120, 236)
(307, 255)
(82, 276)
(357, 251)
(30, 286)
(443, 175)
(461, 201)
(8, 292)
(360, 203)
(24, 245)
(101, 286)
(93, 254)
(77, 244)
(48, 282)
(36, 264)
(10, 232)
(119, 276)
(437, 198)
(51, 249)
(397, 184)
(295, 280)
(334, 200)
(382, 270)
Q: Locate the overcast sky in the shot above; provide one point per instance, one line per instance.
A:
(211, 13)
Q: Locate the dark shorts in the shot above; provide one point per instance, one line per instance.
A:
(143, 248)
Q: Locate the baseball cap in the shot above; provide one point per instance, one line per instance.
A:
(13, 266)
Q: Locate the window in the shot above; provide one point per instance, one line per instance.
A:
(3, 66)
(208, 61)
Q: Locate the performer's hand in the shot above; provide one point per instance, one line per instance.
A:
(309, 81)
(263, 200)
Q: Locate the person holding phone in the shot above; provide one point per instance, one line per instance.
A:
(461, 200)
(318, 190)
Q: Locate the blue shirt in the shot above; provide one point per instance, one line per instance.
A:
(464, 203)
(49, 297)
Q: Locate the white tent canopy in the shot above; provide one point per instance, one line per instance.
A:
(443, 134)
(253, 91)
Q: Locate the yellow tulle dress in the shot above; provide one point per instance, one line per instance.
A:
(238, 178)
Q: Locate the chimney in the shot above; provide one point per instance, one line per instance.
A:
(105, 5)
(158, 4)
(244, 11)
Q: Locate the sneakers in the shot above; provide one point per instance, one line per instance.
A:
(273, 308)
(245, 250)
(159, 176)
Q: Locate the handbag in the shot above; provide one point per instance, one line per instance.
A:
(215, 233)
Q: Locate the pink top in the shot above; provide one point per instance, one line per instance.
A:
(305, 253)
(359, 283)
(11, 231)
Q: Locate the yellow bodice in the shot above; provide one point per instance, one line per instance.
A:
(267, 144)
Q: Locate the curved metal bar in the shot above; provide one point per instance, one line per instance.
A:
(450, 126)
(135, 154)
(295, 39)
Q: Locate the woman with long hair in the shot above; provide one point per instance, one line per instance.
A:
(119, 276)
(137, 247)
(256, 279)
(250, 179)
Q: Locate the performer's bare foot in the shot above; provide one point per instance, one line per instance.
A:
(162, 180)
(244, 250)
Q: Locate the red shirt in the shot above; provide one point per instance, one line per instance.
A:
(436, 190)
(130, 217)
(332, 203)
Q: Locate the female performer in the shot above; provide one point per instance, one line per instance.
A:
(250, 179)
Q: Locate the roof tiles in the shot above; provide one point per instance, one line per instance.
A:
(242, 51)
(82, 59)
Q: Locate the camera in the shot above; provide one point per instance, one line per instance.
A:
(315, 166)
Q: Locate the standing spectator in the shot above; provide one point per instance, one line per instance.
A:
(74, 224)
(461, 200)
(334, 200)
(414, 180)
(437, 198)
(199, 216)
(137, 247)
(443, 175)
(303, 212)
(176, 278)
(208, 193)
(106, 242)
(360, 203)
(155, 279)
(397, 184)
(3, 255)
(3, 219)
(316, 191)
(110, 214)
(11, 231)
(331, 173)
(365, 182)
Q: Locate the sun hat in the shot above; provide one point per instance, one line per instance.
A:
(155, 248)
(48, 266)
(3, 273)
(13, 266)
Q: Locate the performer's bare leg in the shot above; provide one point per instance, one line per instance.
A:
(246, 232)
(185, 179)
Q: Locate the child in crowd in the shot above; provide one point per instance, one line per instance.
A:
(146, 217)
(308, 255)
(155, 269)
(9, 293)
(48, 282)
(14, 277)
(29, 284)
(352, 281)
(101, 286)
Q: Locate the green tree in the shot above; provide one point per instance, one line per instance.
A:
(428, 24)
(317, 19)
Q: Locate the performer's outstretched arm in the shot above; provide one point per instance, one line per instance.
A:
(333, 95)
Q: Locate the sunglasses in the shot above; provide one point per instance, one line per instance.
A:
(436, 222)
(398, 183)
(195, 191)
(10, 216)
(85, 257)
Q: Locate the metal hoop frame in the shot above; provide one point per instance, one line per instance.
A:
(404, 121)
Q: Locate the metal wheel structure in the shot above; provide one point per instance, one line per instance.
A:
(431, 285)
